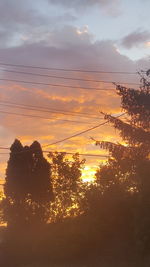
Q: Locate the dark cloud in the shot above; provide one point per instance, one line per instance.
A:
(135, 38)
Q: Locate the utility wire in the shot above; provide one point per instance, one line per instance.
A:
(58, 77)
(55, 85)
(77, 134)
(70, 86)
(67, 86)
(67, 153)
(47, 110)
(69, 70)
(72, 136)
(40, 117)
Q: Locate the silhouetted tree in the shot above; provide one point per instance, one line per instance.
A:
(28, 189)
(128, 167)
(68, 187)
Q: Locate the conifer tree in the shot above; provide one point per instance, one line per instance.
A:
(129, 165)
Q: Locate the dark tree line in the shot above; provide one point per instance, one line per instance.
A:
(37, 191)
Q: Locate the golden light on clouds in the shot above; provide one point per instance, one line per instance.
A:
(147, 44)
(83, 30)
(71, 99)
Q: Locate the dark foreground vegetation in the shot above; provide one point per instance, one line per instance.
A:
(53, 219)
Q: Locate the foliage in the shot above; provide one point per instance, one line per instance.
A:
(68, 187)
(128, 167)
(28, 189)
(125, 160)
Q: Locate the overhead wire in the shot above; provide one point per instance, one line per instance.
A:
(55, 85)
(66, 69)
(67, 153)
(72, 136)
(47, 110)
(67, 86)
(40, 117)
(77, 134)
(60, 77)
(46, 107)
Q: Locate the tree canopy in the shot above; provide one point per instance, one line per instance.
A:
(129, 165)
(27, 188)
(68, 187)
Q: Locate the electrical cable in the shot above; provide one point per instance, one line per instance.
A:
(69, 70)
(40, 117)
(59, 77)
(68, 86)
(77, 134)
(47, 110)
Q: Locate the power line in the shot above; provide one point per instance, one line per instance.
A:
(47, 110)
(58, 77)
(40, 117)
(67, 153)
(69, 70)
(56, 85)
(72, 136)
(67, 86)
(77, 134)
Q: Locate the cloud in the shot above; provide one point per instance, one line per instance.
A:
(135, 38)
(68, 48)
(78, 51)
(111, 7)
(17, 17)
(84, 3)
(24, 20)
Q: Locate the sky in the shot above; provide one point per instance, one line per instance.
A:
(99, 35)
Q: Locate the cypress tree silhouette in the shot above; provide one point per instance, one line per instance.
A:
(28, 189)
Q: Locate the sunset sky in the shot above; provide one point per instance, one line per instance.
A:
(103, 35)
